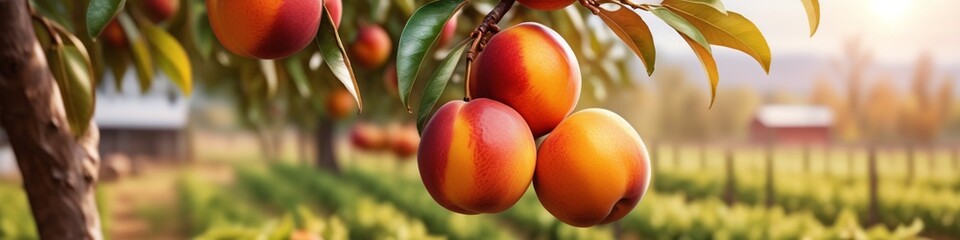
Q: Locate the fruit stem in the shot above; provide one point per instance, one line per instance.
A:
(482, 35)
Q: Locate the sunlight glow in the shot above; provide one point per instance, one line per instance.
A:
(890, 10)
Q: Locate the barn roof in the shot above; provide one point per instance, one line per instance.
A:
(150, 112)
(795, 116)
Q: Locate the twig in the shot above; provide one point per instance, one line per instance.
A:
(482, 35)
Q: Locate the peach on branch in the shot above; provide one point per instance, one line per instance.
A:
(476, 157)
(372, 47)
(340, 104)
(160, 10)
(366, 136)
(530, 68)
(265, 29)
(592, 169)
(114, 36)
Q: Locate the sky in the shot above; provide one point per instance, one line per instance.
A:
(896, 32)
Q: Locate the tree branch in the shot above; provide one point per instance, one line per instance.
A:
(58, 170)
(482, 35)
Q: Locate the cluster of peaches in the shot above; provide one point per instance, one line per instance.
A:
(401, 140)
(480, 155)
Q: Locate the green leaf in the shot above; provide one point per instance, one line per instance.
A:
(682, 26)
(270, 75)
(709, 65)
(813, 14)
(74, 79)
(299, 76)
(627, 25)
(438, 82)
(729, 30)
(202, 32)
(715, 4)
(418, 36)
(99, 13)
(334, 55)
(141, 52)
(170, 56)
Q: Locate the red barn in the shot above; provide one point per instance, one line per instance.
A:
(792, 124)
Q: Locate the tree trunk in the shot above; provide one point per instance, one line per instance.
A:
(59, 171)
(731, 188)
(874, 212)
(326, 157)
(769, 175)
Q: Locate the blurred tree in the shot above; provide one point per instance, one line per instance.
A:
(926, 113)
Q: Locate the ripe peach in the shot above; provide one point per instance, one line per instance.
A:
(405, 141)
(372, 46)
(446, 34)
(114, 36)
(365, 136)
(593, 169)
(339, 104)
(531, 69)
(476, 157)
(264, 29)
(546, 5)
(160, 10)
(336, 10)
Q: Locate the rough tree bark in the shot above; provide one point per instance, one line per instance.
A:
(326, 157)
(59, 171)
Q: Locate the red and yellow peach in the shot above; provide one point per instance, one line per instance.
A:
(530, 68)
(160, 10)
(372, 47)
(476, 157)
(265, 29)
(592, 169)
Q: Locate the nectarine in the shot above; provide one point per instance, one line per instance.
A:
(372, 46)
(365, 136)
(265, 29)
(340, 103)
(160, 10)
(405, 141)
(114, 36)
(546, 5)
(592, 169)
(531, 69)
(335, 7)
(446, 34)
(476, 157)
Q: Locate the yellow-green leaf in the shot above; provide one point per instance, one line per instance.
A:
(709, 65)
(634, 32)
(682, 26)
(813, 14)
(170, 56)
(729, 30)
(715, 4)
(74, 79)
(335, 56)
(141, 51)
(298, 76)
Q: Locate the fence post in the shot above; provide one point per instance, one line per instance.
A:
(874, 212)
(731, 188)
(769, 172)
